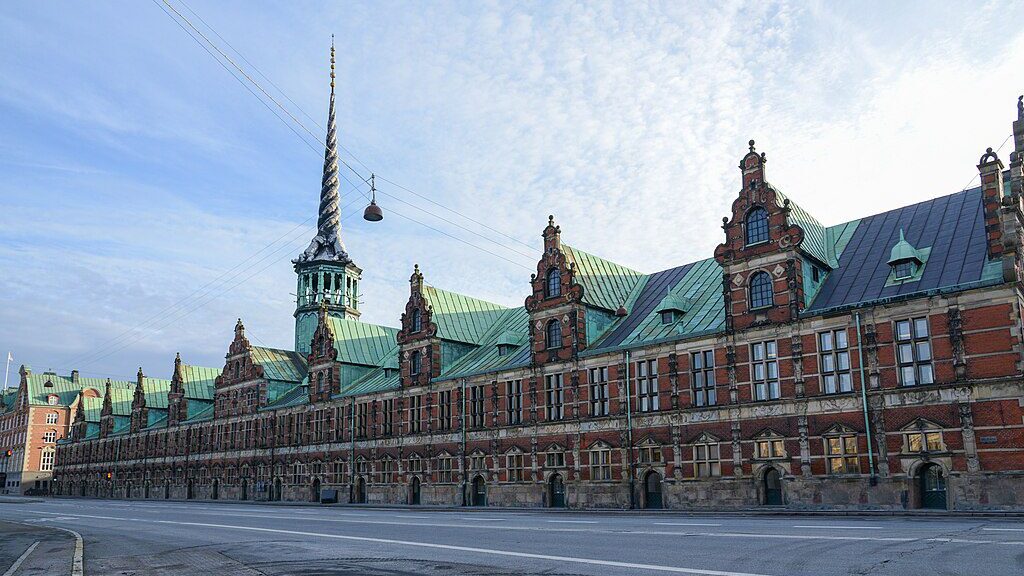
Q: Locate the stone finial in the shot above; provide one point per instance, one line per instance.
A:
(751, 143)
(988, 156)
(1020, 107)
(239, 328)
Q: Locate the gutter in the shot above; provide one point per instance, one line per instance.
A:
(864, 402)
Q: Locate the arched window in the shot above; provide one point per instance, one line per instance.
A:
(761, 290)
(553, 288)
(414, 363)
(554, 334)
(320, 382)
(236, 368)
(417, 321)
(757, 226)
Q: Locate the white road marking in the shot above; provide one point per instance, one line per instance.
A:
(838, 527)
(1004, 529)
(495, 552)
(752, 535)
(17, 563)
(685, 524)
(573, 521)
(482, 519)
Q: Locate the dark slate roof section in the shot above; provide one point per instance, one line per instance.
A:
(654, 291)
(953, 226)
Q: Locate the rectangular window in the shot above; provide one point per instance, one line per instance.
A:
(514, 464)
(650, 454)
(388, 414)
(914, 352)
(768, 448)
(555, 396)
(444, 409)
(647, 385)
(929, 441)
(477, 394)
(707, 460)
(415, 405)
(601, 464)
(764, 370)
(841, 452)
(513, 402)
(599, 391)
(702, 373)
(834, 362)
(554, 459)
(46, 465)
(361, 421)
(444, 469)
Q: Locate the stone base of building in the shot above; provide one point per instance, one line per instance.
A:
(981, 491)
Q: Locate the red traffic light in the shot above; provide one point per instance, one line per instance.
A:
(9, 453)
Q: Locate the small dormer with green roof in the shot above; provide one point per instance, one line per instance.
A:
(906, 261)
(326, 274)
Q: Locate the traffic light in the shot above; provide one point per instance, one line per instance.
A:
(109, 475)
(9, 453)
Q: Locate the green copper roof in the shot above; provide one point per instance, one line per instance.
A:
(156, 390)
(903, 250)
(198, 381)
(605, 284)
(816, 241)
(121, 401)
(375, 381)
(41, 386)
(460, 318)
(673, 302)
(365, 344)
(511, 327)
(156, 419)
(698, 285)
(280, 365)
(296, 396)
(205, 412)
(91, 407)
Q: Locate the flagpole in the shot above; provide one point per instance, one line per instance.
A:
(7, 371)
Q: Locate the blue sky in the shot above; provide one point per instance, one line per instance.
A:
(147, 199)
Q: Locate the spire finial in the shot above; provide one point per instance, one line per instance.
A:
(1020, 107)
(327, 245)
(751, 143)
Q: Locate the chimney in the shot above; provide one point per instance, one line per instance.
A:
(74, 377)
(991, 171)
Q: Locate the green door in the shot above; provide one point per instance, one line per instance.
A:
(933, 487)
(557, 491)
(772, 488)
(652, 490)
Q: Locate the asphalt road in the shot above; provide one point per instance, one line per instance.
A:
(135, 538)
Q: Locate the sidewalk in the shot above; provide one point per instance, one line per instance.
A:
(37, 550)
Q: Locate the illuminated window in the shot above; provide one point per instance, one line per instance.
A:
(707, 460)
(841, 452)
(770, 447)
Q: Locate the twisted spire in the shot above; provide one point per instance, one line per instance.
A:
(327, 244)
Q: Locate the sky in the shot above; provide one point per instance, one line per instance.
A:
(148, 199)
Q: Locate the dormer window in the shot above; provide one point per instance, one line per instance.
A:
(417, 320)
(906, 261)
(504, 349)
(553, 285)
(672, 308)
(414, 363)
(668, 317)
(52, 399)
(757, 226)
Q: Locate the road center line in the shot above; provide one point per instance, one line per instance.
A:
(836, 527)
(1004, 529)
(685, 524)
(573, 521)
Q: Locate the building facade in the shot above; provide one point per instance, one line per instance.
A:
(875, 363)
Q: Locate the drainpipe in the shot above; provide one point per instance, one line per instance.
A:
(352, 455)
(462, 417)
(629, 432)
(864, 402)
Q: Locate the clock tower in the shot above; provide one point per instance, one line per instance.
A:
(326, 273)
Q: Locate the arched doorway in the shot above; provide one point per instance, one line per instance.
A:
(359, 491)
(556, 491)
(215, 490)
(931, 484)
(414, 491)
(315, 493)
(167, 490)
(190, 490)
(276, 496)
(145, 489)
(245, 490)
(479, 491)
(652, 490)
(772, 487)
